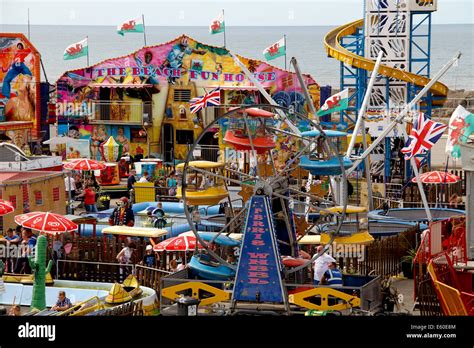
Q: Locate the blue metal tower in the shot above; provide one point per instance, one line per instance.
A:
(402, 30)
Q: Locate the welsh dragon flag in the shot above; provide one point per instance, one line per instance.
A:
(131, 26)
(217, 25)
(276, 50)
(461, 126)
(76, 50)
(336, 102)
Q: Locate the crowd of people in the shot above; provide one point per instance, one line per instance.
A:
(128, 257)
(164, 186)
(23, 240)
(324, 268)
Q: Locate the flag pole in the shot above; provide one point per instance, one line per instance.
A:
(223, 18)
(284, 40)
(28, 23)
(144, 31)
(87, 39)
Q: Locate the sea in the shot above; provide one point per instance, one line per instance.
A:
(303, 42)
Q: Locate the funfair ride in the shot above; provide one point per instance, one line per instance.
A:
(401, 29)
(279, 159)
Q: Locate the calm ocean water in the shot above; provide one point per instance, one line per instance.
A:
(304, 43)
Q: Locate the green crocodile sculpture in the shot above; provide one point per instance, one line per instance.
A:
(39, 269)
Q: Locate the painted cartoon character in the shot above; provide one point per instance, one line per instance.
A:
(122, 139)
(73, 153)
(73, 132)
(22, 107)
(152, 77)
(175, 56)
(17, 138)
(95, 142)
(18, 67)
(102, 135)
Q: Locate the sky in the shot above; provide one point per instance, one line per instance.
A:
(200, 13)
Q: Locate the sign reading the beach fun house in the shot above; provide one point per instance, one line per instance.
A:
(178, 73)
(259, 272)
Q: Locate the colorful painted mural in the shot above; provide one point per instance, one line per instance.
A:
(152, 87)
(78, 149)
(19, 79)
(129, 138)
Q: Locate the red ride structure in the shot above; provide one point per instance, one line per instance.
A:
(249, 131)
(442, 256)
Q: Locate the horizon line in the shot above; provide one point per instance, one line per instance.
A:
(204, 26)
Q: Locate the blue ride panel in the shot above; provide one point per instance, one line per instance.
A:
(331, 166)
(259, 272)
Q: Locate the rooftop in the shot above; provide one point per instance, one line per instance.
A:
(6, 177)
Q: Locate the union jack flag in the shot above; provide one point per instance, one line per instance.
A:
(213, 98)
(421, 160)
(424, 134)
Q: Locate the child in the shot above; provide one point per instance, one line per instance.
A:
(12, 240)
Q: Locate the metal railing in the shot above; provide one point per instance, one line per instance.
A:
(392, 203)
(116, 111)
(206, 152)
(108, 272)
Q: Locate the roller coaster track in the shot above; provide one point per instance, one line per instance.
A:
(332, 43)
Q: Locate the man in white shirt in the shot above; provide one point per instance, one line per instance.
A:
(71, 186)
(320, 265)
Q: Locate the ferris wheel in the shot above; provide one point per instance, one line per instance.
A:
(267, 150)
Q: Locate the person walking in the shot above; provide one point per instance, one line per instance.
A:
(89, 199)
(70, 186)
(131, 180)
(126, 256)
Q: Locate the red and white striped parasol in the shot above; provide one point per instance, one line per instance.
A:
(85, 164)
(437, 177)
(6, 207)
(46, 222)
(179, 243)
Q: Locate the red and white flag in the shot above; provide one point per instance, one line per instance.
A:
(424, 134)
(213, 98)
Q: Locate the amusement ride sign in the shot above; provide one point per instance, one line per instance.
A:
(259, 271)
